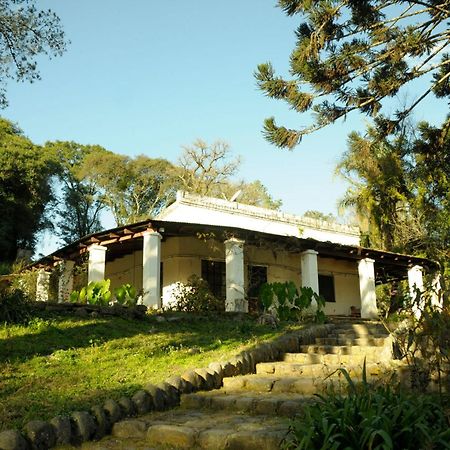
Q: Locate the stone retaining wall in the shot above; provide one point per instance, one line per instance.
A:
(83, 426)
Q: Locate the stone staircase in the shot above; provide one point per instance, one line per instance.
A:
(253, 411)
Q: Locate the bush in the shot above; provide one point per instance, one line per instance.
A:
(14, 305)
(126, 295)
(371, 417)
(196, 297)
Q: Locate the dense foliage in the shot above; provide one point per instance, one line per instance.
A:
(25, 190)
(400, 190)
(380, 418)
(354, 54)
(14, 305)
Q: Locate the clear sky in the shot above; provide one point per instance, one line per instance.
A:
(146, 76)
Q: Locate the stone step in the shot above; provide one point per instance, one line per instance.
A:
(267, 403)
(362, 341)
(210, 430)
(320, 358)
(368, 350)
(320, 370)
(360, 329)
(292, 384)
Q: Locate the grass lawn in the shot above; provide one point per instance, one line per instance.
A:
(61, 363)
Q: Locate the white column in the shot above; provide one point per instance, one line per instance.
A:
(415, 282)
(151, 263)
(42, 285)
(366, 270)
(436, 294)
(65, 282)
(96, 267)
(234, 271)
(310, 273)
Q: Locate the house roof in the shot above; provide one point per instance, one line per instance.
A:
(128, 238)
(191, 208)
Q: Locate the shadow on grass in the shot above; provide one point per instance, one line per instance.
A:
(48, 404)
(48, 334)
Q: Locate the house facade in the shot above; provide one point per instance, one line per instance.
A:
(235, 248)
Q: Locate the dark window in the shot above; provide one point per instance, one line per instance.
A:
(326, 287)
(257, 275)
(213, 272)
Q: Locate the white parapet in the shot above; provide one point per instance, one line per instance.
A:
(366, 271)
(234, 272)
(97, 261)
(151, 270)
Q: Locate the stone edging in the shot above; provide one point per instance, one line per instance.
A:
(83, 426)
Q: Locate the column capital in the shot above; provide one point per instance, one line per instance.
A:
(366, 260)
(234, 241)
(97, 247)
(415, 267)
(151, 233)
(310, 251)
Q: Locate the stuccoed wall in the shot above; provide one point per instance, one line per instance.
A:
(346, 285)
(181, 258)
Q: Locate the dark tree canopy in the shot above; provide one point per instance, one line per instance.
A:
(25, 33)
(354, 54)
(25, 190)
(78, 210)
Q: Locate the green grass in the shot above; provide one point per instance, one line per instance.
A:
(60, 363)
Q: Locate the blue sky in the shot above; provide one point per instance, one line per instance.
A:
(146, 76)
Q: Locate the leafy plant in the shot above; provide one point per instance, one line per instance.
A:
(126, 295)
(14, 305)
(287, 302)
(196, 296)
(370, 417)
(95, 293)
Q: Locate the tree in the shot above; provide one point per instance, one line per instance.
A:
(254, 193)
(133, 189)
(318, 215)
(353, 55)
(26, 32)
(25, 190)
(208, 170)
(378, 192)
(430, 178)
(78, 211)
(401, 187)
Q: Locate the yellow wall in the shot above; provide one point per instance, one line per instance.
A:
(181, 258)
(346, 284)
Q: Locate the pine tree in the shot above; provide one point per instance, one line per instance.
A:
(353, 54)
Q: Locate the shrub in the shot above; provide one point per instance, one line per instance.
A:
(196, 296)
(286, 302)
(14, 305)
(95, 293)
(371, 417)
(126, 295)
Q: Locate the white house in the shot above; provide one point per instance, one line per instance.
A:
(235, 248)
